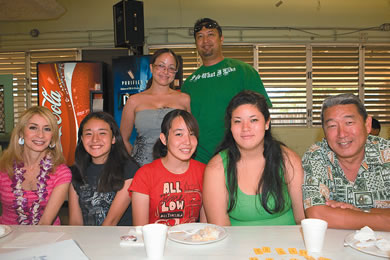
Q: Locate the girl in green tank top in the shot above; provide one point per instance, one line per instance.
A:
(253, 179)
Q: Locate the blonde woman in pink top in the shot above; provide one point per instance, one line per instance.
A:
(33, 179)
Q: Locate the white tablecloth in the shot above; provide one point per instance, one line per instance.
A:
(103, 243)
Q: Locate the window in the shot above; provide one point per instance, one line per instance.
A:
(298, 77)
(14, 63)
(377, 81)
(6, 104)
(335, 70)
(283, 72)
(22, 65)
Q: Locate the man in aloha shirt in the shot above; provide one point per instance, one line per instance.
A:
(347, 174)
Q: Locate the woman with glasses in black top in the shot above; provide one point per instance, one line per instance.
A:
(147, 109)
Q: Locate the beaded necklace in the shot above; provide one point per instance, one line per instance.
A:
(32, 215)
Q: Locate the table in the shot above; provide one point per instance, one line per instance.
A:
(103, 243)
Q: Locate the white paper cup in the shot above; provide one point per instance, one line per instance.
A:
(155, 236)
(314, 233)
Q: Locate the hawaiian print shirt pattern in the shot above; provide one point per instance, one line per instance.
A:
(325, 180)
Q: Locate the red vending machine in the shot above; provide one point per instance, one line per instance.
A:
(70, 90)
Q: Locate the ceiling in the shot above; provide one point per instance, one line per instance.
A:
(160, 11)
(27, 10)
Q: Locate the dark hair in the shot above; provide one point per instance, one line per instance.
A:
(155, 55)
(207, 23)
(112, 178)
(375, 124)
(161, 150)
(272, 181)
(343, 99)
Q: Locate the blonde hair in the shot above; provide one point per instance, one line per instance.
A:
(14, 152)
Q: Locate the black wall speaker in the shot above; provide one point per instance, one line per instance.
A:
(129, 23)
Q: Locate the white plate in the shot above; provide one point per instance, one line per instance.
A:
(7, 230)
(372, 250)
(174, 233)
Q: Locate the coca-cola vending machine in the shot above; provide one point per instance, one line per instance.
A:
(71, 90)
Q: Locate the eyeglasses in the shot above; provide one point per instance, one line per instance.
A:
(207, 25)
(162, 68)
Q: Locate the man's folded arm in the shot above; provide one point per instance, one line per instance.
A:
(377, 219)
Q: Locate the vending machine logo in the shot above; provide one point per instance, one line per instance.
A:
(55, 104)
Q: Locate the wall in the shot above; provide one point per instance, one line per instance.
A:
(89, 23)
(300, 138)
(97, 14)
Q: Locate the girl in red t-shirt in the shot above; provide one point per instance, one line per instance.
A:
(169, 190)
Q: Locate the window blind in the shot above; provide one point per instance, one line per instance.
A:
(377, 82)
(22, 65)
(14, 63)
(297, 77)
(335, 70)
(283, 72)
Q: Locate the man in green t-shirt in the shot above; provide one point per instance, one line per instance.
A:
(214, 84)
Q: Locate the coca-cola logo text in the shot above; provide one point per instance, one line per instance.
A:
(55, 100)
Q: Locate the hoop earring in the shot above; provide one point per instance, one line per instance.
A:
(51, 146)
(21, 141)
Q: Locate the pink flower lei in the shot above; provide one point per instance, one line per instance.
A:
(32, 215)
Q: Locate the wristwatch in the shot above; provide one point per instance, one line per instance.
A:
(367, 210)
